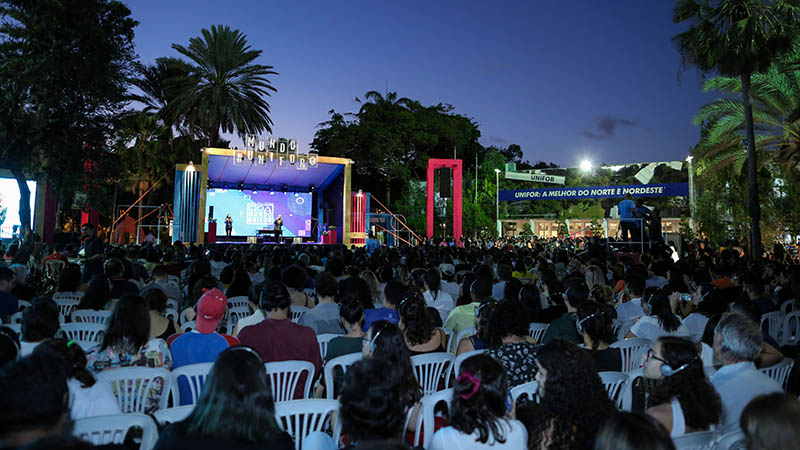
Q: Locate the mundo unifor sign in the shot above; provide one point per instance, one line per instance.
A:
(278, 151)
(587, 192)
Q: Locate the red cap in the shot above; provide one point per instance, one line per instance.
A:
(210, 310)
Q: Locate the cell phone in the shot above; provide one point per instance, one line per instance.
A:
(686, 297)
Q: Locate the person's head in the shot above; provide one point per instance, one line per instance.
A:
(156, 300)
(87, 230)
(129, 325)
(575, 296)
(753, 287)
(240, 285)
(386, 342)
(595, 322)
(97, 295)
(632, 431)
(236, 403)
(415, 320)
(394, 293)
(634, 286)
(294, 277)
(274, 297)
(594, 277)
(480, 399)
(369, 406)
(512, 289)
(482, 314)
(658, 305)
(433, 280)
(325, 285)
(351, 313)
(770, 421)
(481, 288)
(372, 282)
(9, 345)
(40, 320)
(73, 357)
(69, 280)
(736, 339)
(7, 279)
(529, 296)
(160, 272)
(210, 310)
(35, 399)
(509, 318)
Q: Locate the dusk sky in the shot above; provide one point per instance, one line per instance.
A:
(564, 80)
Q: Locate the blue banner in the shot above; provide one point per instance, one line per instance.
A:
(586, 192)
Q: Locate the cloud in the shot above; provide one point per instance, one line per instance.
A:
(605, 126)
(497, 140)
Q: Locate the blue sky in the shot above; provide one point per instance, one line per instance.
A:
(564, 80)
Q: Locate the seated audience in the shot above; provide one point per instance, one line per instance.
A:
(160, 327)
(324, 318)
(659, 320)
(434, 295)
(594, 324)
(294, 277)
(393, 294)
(479, 340)
(632, 431)
(632, 309)
(203, 344)
(98, 294)
(8, 301)
(39, 323)
(9, 345)
(418, 327)
(508, 330)
(770, 421)
(69, 280)
(564, 326)
(161, 282)
(115, 271)
(463, 317)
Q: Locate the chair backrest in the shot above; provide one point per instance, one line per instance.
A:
(284, 376)
(22, 304)
(615, 383)
(65, 308)
(342, 362)
(297, 312)
(174, 280)
(790, 329)
(135, 386)
(241, 300)
(461, 335)
(460, 359)
(90, 316)
(171, 314)
(188, 326)
(734, 440)
(425, 419)
(430, 368)
(789, 306)
(172, 303)
(17, 327)
(54, 267)
(449, 333)
(779, 372)
(58, 296)
(633, 351)
(531, 388)
(86, 335)
(536, 331)
(16, 317)
(235, 313)
(103, 430)
(300, 418)
(322, 340)
(620, 329)
(184, 316)
(773, 321)
(701, 440)
(172, 415)
(193, 376)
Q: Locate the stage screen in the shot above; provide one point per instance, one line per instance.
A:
(9, 206)
(254, 210)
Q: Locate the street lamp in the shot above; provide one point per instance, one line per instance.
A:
(497, 201)
(691, 191)
(586, 165)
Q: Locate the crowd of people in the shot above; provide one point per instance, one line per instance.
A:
(701, 310)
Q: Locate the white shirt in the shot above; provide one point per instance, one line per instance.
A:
(737, 384)
(648, 328)
(630, 310)
(451, 288)
(696, 323)
(443, 303)
(448, 438)
(97, 400)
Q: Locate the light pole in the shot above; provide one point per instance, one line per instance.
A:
(691, 192)
(497, 202)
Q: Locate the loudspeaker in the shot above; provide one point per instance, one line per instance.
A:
(211, 212)
(444, 182)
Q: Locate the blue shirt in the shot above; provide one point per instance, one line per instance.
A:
(737, 384)
(372, 245)
(388, 314)
(193, 348)
(8, 305)
(626, 208)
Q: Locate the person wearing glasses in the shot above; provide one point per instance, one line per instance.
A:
(683, 401)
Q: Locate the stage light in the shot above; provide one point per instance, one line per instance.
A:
(190, 167)
(284, 188)
(497, 170)
(241, 186)
(586, 165)
(311, 188)
(255, 192)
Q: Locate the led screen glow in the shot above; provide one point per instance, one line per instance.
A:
(255, 210)
(9, 206)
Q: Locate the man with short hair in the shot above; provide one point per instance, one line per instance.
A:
(161, 282)
(372, 244)
(754, 288)
(324, 318)
(627, 222)
(40, 322)
(115, 271)
(8, 301)
(92, 251)
(632, 309)
(564, 327)
(393, 295)
(658, 278)
(737, 344)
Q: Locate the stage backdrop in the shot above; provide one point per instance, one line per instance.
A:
(254, 210)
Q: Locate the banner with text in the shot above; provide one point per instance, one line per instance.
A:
(587, 192)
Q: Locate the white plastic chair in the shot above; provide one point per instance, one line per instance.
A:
(59, 296)
(774, 320)
(172, 415)
(449, 333)
(134, 385)
(460, 359)
(103, 430)
(171, 314)
(734, 440)
(174, 280)
(87, 335)
(184, 316)
(172, 303)
(300, 418)
(342, 362)
(297, 312)
(188, 326)
(194, 375)
(536, 331)
(90, 316)
(16, 317)
(430, 368)
(531, 388)
(701, 440)
(54, 267)
(240, 301)
(322, 340)
(426, 417)
(17, 327)
(633, 351)
(789, 306)
(779, 372)
(621, 329)
(237, 312)
(65, 308)
(22, 304)
(461, 335)
(615, 384)
(790, 329)
(284, 376)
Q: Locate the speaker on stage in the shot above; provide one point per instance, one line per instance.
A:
(211, 212)
(444, 182)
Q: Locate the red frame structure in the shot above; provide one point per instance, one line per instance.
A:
(456, 165)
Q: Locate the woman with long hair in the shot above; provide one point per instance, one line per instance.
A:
(69, 280)
(479, 410)
(574, 402)
(683, 400)
(770, 421)
(240, 286)
(595, 326)
(659, 319)
(98, 294)
(434, 295)
(374, 287)
(465, 297)
(295, 278)
(235, 410)
(88, 396)
(510, 343)
(595, 277)
(418, 326)
(160, 326)
(479, 340)
(632, 431)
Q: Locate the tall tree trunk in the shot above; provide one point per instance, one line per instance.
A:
(24, 200)
(388, 189)
(752, 163)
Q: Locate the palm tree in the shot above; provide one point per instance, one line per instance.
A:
(738, 38)
(223, 91)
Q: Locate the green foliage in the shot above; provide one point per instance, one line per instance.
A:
(526, 229)
(685, 230)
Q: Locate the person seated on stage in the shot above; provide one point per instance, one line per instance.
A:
(295, 277)
(324, 318)
(277, 338)
(393, 294)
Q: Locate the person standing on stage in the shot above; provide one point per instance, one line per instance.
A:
(228, 225)
(279, 228)
(627, 222)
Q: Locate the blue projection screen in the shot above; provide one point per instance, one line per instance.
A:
(255, 210)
